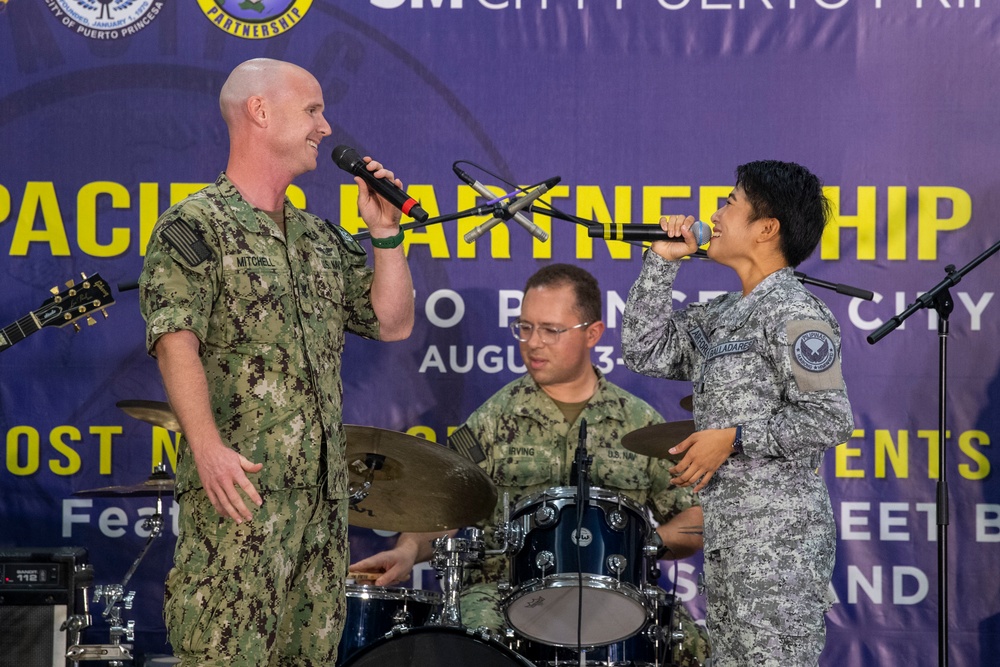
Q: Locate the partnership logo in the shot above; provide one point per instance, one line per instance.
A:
(255, 19)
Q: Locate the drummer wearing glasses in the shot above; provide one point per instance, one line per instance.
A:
(526, 434)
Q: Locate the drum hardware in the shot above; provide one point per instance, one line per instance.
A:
(617, 563)
(545, 515)
(544, 560)
(451, 555)
(617, 519)
(372, 464)
(77, 623)
(114, 596)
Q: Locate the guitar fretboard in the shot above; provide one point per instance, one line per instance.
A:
(18, 331)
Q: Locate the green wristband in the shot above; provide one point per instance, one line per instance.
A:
(389, 241)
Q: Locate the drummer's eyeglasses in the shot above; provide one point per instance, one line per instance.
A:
(548, 335)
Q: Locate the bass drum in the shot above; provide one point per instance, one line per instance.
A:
(438, 647)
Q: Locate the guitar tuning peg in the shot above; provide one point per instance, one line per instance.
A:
(91, 321)
(69, 283)
(104, 311)
(76, 327)
(54, 290)
(83, 275)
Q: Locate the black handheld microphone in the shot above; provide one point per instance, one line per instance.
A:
(351, 161)
(616, 231)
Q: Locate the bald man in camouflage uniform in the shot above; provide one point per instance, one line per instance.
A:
(247, 300)
(769, 399)
(525, 437)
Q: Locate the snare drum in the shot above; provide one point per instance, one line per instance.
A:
(374, 611)
(438, 647)
(553, 566)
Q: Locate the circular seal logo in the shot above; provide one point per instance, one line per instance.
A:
(814, 351)
(105, 19)
(255, 19)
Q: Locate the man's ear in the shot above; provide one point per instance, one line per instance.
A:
(258, 111)
(594, 333)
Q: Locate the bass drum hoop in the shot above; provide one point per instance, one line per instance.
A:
(408, 638)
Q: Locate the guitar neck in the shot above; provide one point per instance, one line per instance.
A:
(18, 331)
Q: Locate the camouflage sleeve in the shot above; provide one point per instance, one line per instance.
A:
(180, 278)
(481, 426)
(805, 348)
(654, 337)
(358, 277)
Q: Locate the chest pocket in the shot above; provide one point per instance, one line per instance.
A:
(523, 465)
(330, 286)
(258, 310)
(619, 469)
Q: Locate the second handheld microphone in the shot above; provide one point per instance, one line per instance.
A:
(638, 232)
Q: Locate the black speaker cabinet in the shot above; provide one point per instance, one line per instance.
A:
(38, 592)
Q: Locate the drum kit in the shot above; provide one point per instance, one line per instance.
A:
(582, 576)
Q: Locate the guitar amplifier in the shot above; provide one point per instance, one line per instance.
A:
(38, 593)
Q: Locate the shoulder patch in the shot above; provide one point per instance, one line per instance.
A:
(465, 443)
(186, 242)
(815, 358)
(349, 242)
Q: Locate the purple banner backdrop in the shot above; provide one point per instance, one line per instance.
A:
(108, 114)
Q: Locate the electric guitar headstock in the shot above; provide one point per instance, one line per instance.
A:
(64, 307)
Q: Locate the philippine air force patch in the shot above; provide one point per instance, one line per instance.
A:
(815, 359)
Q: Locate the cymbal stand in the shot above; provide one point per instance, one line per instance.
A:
(117, 653)
(83, 577)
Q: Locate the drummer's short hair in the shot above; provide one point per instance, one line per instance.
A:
(585, 287)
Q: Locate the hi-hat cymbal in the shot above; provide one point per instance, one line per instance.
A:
(158, 484)
(157, 413)
(416, 485)
(656, 440)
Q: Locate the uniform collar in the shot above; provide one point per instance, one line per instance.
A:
(257, 222)
(541, 404)
(745, 305)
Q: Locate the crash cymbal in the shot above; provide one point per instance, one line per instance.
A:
(158, 484)
(687, 403)
(656, 440)
(416, 485)
(157, 413)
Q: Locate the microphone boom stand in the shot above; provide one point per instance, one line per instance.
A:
(939, 298)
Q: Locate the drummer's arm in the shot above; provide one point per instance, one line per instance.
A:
(396, 564)
(421, 544)
(682, 535)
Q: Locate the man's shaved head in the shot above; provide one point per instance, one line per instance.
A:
(261, 77)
